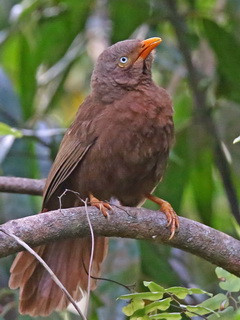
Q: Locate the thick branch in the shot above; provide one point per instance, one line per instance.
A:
(21, 185)
(205, 242)
(136, 223)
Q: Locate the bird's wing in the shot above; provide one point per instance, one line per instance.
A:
(75, 144)
(68, 157)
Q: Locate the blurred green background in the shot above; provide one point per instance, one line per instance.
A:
(47, 52)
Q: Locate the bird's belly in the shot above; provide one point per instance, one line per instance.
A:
(107, 173)
(126, 161)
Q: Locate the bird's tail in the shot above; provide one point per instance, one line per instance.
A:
(69, 260)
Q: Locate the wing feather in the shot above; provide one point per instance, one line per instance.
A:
(71, 152)
(63, 167)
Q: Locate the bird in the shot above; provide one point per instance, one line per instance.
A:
(116, 148)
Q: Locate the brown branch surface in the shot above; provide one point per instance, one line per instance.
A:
(137, 223)
(22, 185)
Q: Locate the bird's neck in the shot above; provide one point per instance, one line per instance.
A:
(108, 92)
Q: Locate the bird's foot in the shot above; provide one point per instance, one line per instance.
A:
(166, 208)
(101, 205)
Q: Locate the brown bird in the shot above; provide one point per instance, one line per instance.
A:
(117, 147)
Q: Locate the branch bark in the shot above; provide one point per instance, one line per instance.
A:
(136, 223)
(22, 185)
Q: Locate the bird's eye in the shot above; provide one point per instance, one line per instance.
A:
(123, 60)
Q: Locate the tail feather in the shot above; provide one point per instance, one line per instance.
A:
(22, 268)
(69, 260)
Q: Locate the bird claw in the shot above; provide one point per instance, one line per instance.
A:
(172, 218)
(166, 208)
(101, 205)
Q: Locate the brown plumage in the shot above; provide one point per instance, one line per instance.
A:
(117, 147)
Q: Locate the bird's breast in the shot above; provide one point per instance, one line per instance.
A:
(130, 153)
(140, 130)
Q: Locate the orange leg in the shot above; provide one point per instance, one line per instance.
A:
(101, 205)
(166, 208)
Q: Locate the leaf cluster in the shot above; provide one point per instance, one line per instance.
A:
(170, 304)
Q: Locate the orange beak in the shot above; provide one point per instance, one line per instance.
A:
(147, 46)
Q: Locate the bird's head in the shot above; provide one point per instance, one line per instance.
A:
(124, 65)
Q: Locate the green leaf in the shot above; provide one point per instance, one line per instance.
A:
(227, 51)
(27, 73)
(134, 305)
(181, 292)
(228, 281)
(7, 130)
(139, 318)
(121, 29)
(158, 305)
(143, 295)
(178, 171)
(202, 189)
(198, 291)
(215, 302)
(226, 314)
(153, 287)
(167, 316)
(160, 255)
(199, 310)
(154, 306)
(237, 315)
(10, 109)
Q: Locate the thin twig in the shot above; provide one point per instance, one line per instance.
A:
(180, 307)
(7, 308)
(49, 270)
(85, 202)
(117, 206)
(91, 256)
(110, 280)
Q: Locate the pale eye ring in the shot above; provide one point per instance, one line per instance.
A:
(123, 60)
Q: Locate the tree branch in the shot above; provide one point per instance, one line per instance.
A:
(136, 223)
(22, 185)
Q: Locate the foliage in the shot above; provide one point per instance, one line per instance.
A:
(47, 52)
(159, 303)
(7, 130)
